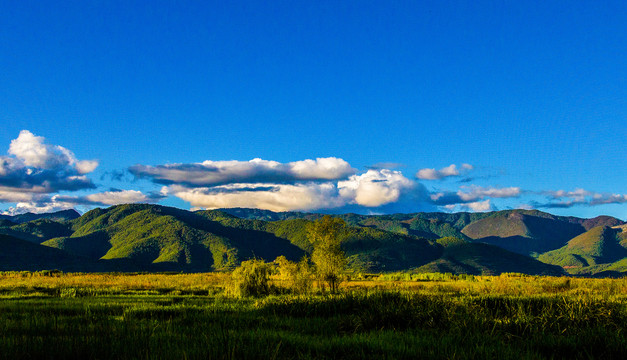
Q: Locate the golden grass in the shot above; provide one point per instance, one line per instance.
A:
(507, 284)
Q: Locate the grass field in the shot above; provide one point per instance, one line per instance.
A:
(394, 316)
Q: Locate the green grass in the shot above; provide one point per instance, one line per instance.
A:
(153, 316)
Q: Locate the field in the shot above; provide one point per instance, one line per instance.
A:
(394, 316)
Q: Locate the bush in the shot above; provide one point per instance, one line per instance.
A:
(251, 278)
(298, 277)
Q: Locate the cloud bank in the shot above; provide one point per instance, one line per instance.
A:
(578, 197)
(36, 176)
(371, 189)
(43, 204)
(211, 173)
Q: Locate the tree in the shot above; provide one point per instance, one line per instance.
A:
(325, 236)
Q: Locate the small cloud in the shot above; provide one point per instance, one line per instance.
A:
(477, 206)
(449, 171)
(86, 166)
(385, 165)
(114, 175)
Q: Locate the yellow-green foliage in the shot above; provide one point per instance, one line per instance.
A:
(297, 277)
(330, 260)
(251, 278)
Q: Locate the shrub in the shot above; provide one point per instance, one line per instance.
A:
(251, 278)
(298, 277)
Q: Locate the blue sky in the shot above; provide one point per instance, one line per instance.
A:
(531, 96)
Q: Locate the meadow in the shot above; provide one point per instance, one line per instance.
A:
(53, 315)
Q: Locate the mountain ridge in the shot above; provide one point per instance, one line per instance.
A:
(148, 237)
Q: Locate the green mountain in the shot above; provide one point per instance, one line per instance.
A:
(36, 231)
(143, 237)
(168, 239)
(465, 257)
(63, 215)
(524, 232)
(367, 249)
(599, 249)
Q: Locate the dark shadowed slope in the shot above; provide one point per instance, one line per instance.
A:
(463, 257)
(523, 233)
(37, 231)
(598, 249)
(21, 255)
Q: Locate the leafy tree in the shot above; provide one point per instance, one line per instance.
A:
(330, 260)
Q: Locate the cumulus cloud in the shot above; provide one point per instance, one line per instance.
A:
(451, 170)
(34, 152)
(211, 173)
(375, 187)
(37, 167)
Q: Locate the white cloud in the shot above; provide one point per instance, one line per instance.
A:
(36, 207)
(274, 197)
(210, 173)
(10, 195)
(451, 170)
(34, 152)
(37, 167)
(118, 197)
(42, 203)
(476, 206)
(469, 194)
(472, 193)
(86, 166)
(567, 199)
(479, 205)
(375, 187)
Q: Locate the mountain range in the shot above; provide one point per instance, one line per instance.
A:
(143, 237)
